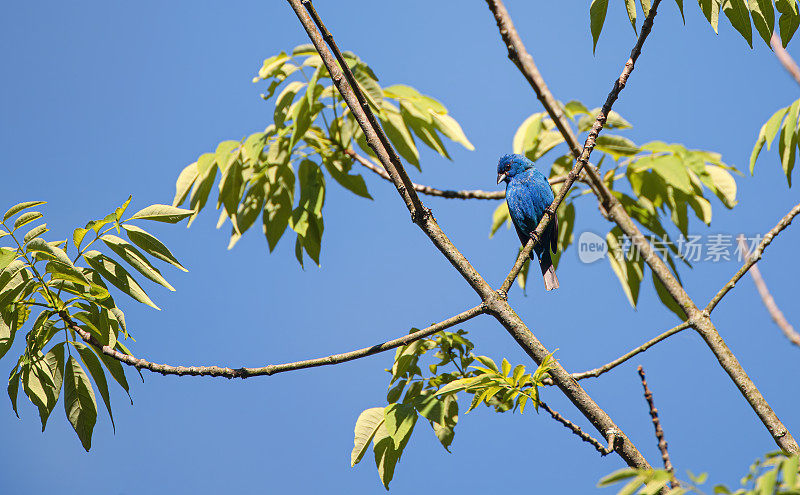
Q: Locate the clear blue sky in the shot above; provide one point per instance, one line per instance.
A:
(105, 99)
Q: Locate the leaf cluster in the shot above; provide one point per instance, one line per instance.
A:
(784, 120)
(281, 174)
(652, 181)
(775, 474)
(36, 273)
(413, 393)
(738, 12)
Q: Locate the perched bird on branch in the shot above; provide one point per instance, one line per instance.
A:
(528, 194)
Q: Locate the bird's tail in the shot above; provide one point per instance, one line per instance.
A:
(550, 279)
(548, 273)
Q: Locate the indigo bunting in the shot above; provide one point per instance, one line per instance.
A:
(528, 194)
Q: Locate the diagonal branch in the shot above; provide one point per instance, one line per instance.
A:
(495, 302)
(769, 302)
(525, 62)
(442, 193)
(784, 58)
(613, 364)
(662, 443)
(753, 258)
(271, 369)
(614, 211)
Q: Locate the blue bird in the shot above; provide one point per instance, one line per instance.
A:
(528, 194)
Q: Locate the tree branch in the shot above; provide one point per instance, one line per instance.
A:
(495, 302)
(272, 369)
(523, 60)
(784, 58)
(442, 193)
(604, 451)
(753, 258)
(662, 443)
(614, 211)
(613, 364)
(769, 301)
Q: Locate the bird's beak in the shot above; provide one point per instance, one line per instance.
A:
(500, 178)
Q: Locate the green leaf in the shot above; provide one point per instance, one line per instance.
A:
(630, 6)
(135, 258)
(763, 18)
(739, 15)
(645, 7)
(92, 364)
(352, 182)
(597, 16)
(301, 121)
(399, 134)
(39, 245)
(77, 237)
(448, 126)
(55, 363)
(789, 19)
(184, 183)
(617, 476)
(788, 140)
(284, 100)
(421, 123)
(789, 471)
(371, 89)
(21, 206)
(271, 66)
(367, 425)
(35, 232)
(386, 455)
(666, 298)
(629, 271)
(616, 146)
(162, 213)
(7, 255)
(399, 422)
(710, 9)
(13, 388)
(766, 135)
(724, 184)
(278, 208)
(118, 276)
(527, 134)
(115, 370)
(674, 172)
(613, 120)
(79, 402)
(499, 217)
(39, 386)
(231, 189)
(151, 245)
(8, 330)
(26, 218)
(680, 7)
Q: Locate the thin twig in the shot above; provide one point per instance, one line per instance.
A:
(769, 301)
(613, 210)
(784, 58)
(272, 369)
(604, 451)
(504, 22)
(442, 193)
(753, 258)
(613, 364)
(662, 443)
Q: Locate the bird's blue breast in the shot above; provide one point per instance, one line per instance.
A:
(528, 194)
